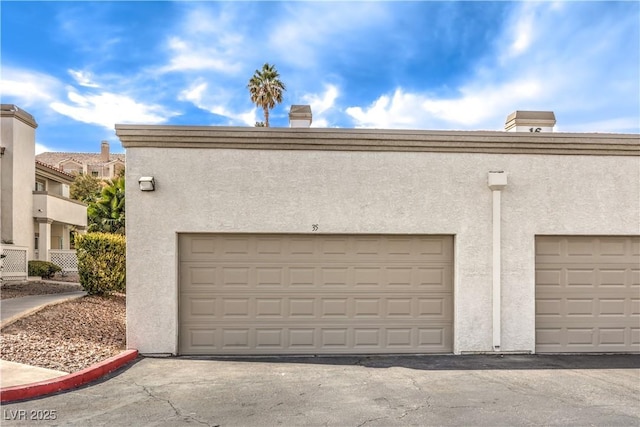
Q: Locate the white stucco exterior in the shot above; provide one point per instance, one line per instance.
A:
(218, 190)
(18, 176)
(34, 197)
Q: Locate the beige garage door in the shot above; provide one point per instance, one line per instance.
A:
(310, 294)
(587, 294)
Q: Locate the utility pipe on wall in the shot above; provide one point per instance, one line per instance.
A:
(497, 182)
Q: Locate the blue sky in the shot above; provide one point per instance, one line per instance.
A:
(81, 67)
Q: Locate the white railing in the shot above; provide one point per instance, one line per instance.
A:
(13, 265)
(65, 259)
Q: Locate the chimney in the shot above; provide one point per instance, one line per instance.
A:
(104, 151)
(300, 116)
(530, 121)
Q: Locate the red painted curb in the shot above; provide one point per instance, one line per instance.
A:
(66, 382)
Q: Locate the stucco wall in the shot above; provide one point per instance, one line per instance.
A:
(232, 190)
(18, 181)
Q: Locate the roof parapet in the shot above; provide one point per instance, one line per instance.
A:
(530, 121)
(300, 116)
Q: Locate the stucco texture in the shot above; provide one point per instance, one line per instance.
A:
(18, 181)
(254, 191)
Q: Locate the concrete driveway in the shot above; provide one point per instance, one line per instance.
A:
(352, 391)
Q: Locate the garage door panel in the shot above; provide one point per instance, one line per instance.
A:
(579, 307)
(579, 279)
(587, 249)
(549, 277)
(236, 308)
(315, 294)
(365, 307)
(635, 307)
(305, 340)
(614, 276)
(270, 338)
(612, 337)
(198, 275)
(586, 300)
(614, 307)
(235, 276)
(635, 278)
(272, 277)
(261, 275)
(199, 308)
(284, 306)
(202, 338)
(579, 336)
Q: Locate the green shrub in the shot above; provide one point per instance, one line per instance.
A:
(101, 262)
(44, 269)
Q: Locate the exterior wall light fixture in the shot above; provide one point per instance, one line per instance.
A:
(147, 183)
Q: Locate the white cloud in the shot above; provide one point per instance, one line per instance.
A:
(587, 79)
(217, 103)
(248, 118)
(523, 36)
(323, 102)
(207, 39)
(521, 33)
(321, 105)
(41, 148)
(106, 109)
(190, 56)
(194, 93)
(306, 30)
(83, 78)
(475, 107)
(28, 88)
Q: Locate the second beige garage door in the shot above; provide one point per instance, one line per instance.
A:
(587, 294)
(312, 294)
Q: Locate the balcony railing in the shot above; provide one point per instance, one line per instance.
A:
(65, 258)
(13, 265)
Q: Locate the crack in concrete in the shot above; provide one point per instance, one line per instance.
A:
(371, 420)
(276, 405)
(416, 385)
(407, 412)
(176, 410)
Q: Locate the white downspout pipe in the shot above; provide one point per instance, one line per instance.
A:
(497, 182)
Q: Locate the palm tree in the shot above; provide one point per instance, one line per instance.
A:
(107, 214)
(266, 89)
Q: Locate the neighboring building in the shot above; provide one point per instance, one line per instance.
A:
(310, 241)
(37, 215)
(57, 217)
(102, 165)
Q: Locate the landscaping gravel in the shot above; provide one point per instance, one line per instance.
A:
(69, 336)
(17, 290)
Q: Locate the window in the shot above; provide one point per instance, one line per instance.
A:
(40, 186)
(94, 173)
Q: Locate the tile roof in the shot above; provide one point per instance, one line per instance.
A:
(53, 168)
(53, 158)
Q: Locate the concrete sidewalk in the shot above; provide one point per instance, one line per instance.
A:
(15, 308)
(12, 374)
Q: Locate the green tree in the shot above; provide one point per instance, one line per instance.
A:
(107, 214)
(266, 89)
(85, 188)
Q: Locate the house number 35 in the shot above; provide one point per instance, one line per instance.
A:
(314, 227)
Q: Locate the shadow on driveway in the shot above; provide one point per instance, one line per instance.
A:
(453, 362)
